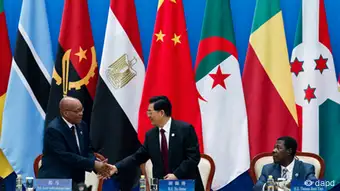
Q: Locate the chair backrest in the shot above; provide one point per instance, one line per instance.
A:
(206, 168)
(91, 178)
(262, 159)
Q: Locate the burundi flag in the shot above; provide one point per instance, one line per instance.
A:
(28, 89)
(315, 86)
(76, 71)
(121, 77)
(170, 71)
(5, 66)
(223, 110)
(267, 82)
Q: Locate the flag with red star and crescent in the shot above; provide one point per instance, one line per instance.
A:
(315, 86)
(222, 104)
(76, 71)
(170, 71)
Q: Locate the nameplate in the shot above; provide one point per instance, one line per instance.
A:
(53, 184)
(308, 185)
(176, 185)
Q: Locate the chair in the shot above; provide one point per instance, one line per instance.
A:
(91, 178)
(265, 158)
(206, 168)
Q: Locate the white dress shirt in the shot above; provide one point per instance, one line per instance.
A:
(289, 173)
(166, 133)
(70, 125)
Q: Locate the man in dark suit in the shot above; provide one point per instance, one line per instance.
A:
(171, 145)
(67, 153)
(285, 165)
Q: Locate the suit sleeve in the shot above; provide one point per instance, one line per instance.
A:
(136, 159)
(261, 181)
(192, 154)
(310, 173)
(54, 143)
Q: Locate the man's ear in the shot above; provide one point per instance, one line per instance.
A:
(289, 151)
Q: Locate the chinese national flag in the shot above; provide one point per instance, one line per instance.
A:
(170, 71)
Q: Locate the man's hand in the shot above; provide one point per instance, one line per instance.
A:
(102, 168)
(113, 170)
(170, 177)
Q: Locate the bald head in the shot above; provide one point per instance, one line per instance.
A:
(71, 109)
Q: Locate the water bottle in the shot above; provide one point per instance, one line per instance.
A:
(142, 183)
(18, 184)
(270, 183)
(29, 183)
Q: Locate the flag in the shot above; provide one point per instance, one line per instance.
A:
(5, 65)
(28, 89)
(170, 71)
(121, 77)
(267, 82)
(223, 110)
(315, 86)
(76, 71)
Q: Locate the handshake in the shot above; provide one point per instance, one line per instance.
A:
(104, 169)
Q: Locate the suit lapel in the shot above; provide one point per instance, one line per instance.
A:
(276, 172)
(297, 170)
(172, 141)
(81, 138)
(69, 136)
(155, 141)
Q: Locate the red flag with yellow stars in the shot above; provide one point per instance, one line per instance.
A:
(76, 71)
(170, 71)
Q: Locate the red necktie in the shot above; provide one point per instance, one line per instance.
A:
(164, 151)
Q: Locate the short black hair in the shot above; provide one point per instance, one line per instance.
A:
(161, 103)
(290, 143)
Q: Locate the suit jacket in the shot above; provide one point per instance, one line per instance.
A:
(301, 171)
(183, 153)
(61, 156)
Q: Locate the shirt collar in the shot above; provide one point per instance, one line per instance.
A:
(70, 125)
(167, 126)
(290, 166)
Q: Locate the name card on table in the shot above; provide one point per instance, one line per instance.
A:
(53, 184)
(176, 185)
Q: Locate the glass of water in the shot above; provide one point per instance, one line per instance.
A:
(153, 184)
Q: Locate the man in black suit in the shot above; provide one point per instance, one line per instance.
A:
(171, 145)
(67, 153)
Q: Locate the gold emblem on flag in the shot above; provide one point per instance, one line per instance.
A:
(65, 67)
(121, 72)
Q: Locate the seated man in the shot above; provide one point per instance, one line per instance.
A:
(67, 153)
(285, 165)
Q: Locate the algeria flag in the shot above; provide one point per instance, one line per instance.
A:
(222, 104)
(315, 87)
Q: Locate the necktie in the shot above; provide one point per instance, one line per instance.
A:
(284, 173)
(74, 129)
(164, 151)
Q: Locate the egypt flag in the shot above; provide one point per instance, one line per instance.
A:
(315, 86)
(170, 71)
(28, 89)
(267, 81)
(223, 110)
(121, 77)
(5, 66)
(76, 72)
